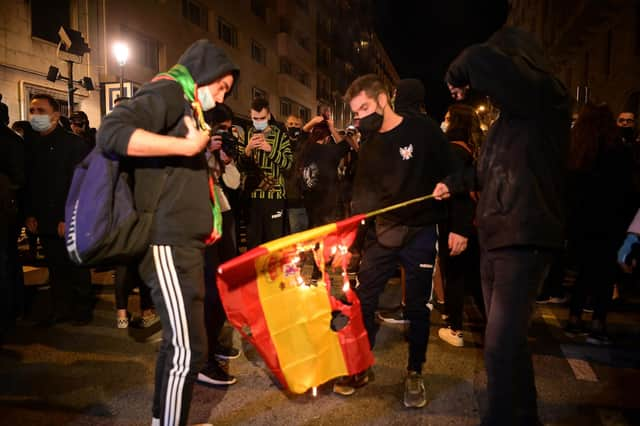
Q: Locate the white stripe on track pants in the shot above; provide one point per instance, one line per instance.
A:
(176, 278)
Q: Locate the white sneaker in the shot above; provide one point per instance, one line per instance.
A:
(451, 336)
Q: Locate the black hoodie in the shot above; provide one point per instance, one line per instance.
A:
(183, 216)
(521, 169)
(409, 97)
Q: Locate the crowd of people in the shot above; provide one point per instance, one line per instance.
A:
(512, 210)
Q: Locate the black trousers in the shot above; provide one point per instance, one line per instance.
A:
(378, 266)
(11, 278)
(70, 284)
(266, 221)
(175, 276)
(596, 266)
(511, 279)
(128, 278)
(461, 275)
(214, 255)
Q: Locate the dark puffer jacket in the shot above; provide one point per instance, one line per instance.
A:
(521, 170)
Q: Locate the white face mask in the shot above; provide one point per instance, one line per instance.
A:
(444, 126)
(260, 125)
(206, 100)
(40, 122)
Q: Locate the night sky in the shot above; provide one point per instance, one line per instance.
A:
(423, 37)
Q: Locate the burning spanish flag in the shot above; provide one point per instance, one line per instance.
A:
(306, 335)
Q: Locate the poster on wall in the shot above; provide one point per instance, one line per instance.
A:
(111, 92)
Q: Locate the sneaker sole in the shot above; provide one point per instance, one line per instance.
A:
(344, 391)
(422, 404)
(574, 335)
(392, 320)
(220, 356)
(209, 381)
(596, 342)
(454, 344)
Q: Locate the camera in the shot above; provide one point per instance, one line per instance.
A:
(294, 132)
(229, 143)
(351, 131)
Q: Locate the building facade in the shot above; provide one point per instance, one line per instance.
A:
(283, 53)
(594, 46)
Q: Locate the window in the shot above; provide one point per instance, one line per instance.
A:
(608, 52)
(259, 93)
(304, 113)
(303, 4)
(58, 95)
(259, 8)
(227, 33)
(143, 50)
(303, 41)
(195, 12)
(258, 53)
(323, 56)
(285, 107)
(303, 77)
(46, 18)
(285, 66)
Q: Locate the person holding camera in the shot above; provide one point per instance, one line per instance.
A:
(222, 148)
(268, 148)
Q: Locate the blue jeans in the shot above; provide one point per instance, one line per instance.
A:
(511, 280)
(378, 265)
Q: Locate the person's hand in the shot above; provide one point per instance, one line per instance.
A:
(253, 143)
(195, 140)
(265, 146)
(61, 229)
(224, 157)
(32, 224)
(215, 143)
(330, 123)
(457, 243)
(458, 93)
(312, 123)
(625, 254)
(441, 192)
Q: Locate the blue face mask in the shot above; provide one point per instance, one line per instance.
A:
(206, 100)
(40, 122)
(260, 125)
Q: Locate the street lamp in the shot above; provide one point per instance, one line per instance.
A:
(121, 51)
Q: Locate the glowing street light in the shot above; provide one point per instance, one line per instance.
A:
(121, 51)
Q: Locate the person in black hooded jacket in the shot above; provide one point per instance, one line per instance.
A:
(520, 214)
(162, 128)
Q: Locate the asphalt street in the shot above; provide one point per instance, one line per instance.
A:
(100, 375)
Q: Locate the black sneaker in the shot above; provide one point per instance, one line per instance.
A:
(214, 374)
(347, 385)
(575, 329)
(415, 395)
(598, 338)
(393, 317)
(224, 352)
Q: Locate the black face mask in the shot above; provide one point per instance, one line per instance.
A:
(371, 123)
